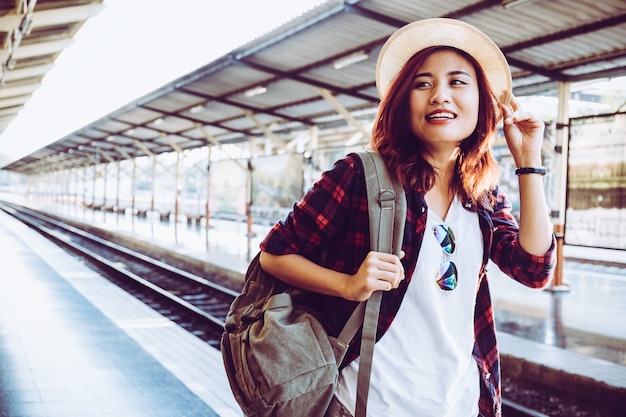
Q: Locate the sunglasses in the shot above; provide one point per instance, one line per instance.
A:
(447, 276)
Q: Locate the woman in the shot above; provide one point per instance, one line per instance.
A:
(444, 86)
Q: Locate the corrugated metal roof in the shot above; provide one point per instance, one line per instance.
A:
(545, 41)
(32, 36)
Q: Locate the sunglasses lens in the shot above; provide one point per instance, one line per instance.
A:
(445, 237)
(447, 276)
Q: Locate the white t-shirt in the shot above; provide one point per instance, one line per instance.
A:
(423, 365)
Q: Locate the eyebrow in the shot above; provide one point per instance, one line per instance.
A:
(451, 73)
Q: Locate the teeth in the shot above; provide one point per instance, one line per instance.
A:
(442, 115)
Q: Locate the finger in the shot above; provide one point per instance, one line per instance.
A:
(401, 272)
(527, 121)
(507, 111)
(389, 268)
(388, 274)
(385, 258)
(389, 271)
(515, 104)
(398, 275)
(385, 286)
(519, 116)
(389, 285)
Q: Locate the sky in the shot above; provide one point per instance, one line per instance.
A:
(133, 47)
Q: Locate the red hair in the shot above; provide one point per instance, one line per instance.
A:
(477, 170)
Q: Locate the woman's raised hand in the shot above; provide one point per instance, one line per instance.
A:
(524, 134)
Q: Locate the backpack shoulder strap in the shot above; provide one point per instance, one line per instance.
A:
(387, 215)
(386, 204)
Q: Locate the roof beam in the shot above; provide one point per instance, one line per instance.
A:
(143, 147)
(557, 73)
(65, 15)
(264, 128)
(254, 109)
(191, 119)
(106, 155)
(609, 73)
(28, 72)
(170, 142)
(122, 152)
(565, 34)
(343, 111)
(36, 49)
(305, 80)
(212, 140)
(551, 74)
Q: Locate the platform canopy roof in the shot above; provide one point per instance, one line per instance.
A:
(33, 33)
(318, 70)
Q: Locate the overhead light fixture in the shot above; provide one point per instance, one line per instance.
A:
(255, 91)
(111, 138)
(196, 109)
(509, 4)
(158, 121)
(350, 59)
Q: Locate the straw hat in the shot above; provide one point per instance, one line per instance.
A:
(412, 38)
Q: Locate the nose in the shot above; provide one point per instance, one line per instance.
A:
(440, 94)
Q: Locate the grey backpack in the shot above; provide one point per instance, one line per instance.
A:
(279, 360)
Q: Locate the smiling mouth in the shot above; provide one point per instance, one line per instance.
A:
(441, 116)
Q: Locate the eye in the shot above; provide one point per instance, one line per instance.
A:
(458, 82)
(421, 84)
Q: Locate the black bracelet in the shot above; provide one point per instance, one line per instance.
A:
(530, 170)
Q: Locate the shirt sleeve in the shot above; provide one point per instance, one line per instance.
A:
(506, 251)
(325, 216)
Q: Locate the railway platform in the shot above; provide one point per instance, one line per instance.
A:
(573, 339)
(74, 345)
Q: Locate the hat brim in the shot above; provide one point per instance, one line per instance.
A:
(416, 36)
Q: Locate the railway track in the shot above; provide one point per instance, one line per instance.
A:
(195, 303)
(512, 409)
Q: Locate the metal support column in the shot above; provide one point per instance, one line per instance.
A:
(207, 206)
(177, 192)
(153, 183)
(560, 181)
(117, 187)
(84, 192)
(76, 185)
(105, 178)
(249, 177)
(312, 146)
(133, 190)
(93, 185)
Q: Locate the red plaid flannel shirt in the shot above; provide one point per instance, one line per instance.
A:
(333, 215)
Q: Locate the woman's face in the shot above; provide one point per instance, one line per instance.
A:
(444, 99)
